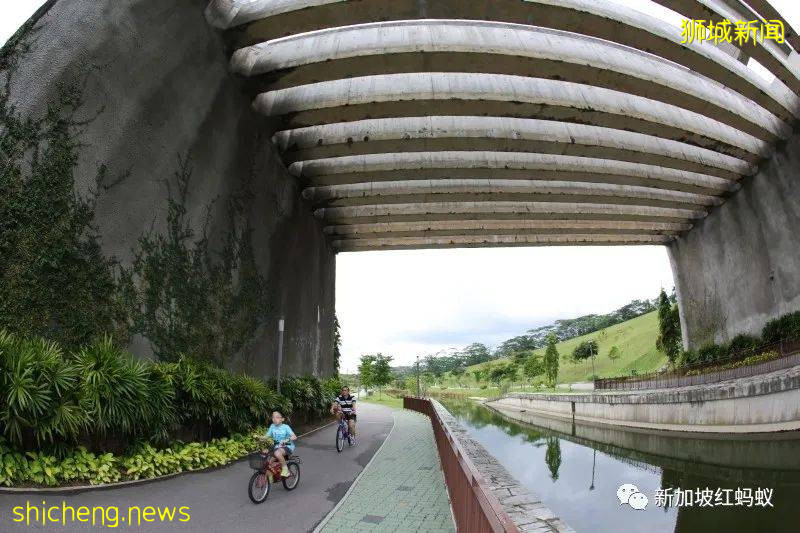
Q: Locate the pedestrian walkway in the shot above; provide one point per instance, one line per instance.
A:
(402, 489)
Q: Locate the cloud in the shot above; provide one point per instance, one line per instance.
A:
(409, 303)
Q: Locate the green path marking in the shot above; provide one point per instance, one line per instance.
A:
(401, 489)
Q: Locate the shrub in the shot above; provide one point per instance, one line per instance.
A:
(83, 467)
(782, 328)
(104, 399)
(687, 357)
(741, 344)
(711, 352)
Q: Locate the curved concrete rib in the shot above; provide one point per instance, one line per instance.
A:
(766, 52)
(386, 47)
(271, 19)
(589, 239)
(531, 135)
(768, 12)
(375, 192)
(359, 98)
(501, 227)
(364, 168)
(462, 210)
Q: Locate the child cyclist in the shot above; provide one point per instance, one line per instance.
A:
(284, 437)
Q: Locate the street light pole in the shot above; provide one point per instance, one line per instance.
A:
(280, 352)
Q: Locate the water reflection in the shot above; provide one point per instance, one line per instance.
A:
(576, 470)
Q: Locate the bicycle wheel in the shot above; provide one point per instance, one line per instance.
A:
(290, 483)
(258, 488)
(339, 440)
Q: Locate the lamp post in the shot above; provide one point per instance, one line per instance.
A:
(280, 352)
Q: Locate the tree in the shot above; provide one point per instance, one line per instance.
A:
(551, 360)
(381, 371)
(478, 375)
(520, 356)
(613, 353)
(457, 373)
(669, 328)
(501, 372)
(553, 456)
(534, 366)
(366, 371)
(475, 354)
(585, 350)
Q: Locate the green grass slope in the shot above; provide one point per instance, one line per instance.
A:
(635, 340)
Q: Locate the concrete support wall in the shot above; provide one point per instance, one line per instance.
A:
(740, 267)
(757, 404)
(156, 88)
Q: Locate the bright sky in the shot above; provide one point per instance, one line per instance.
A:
(419, 302)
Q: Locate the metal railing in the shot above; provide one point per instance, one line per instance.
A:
(788, 355)
(475, 508)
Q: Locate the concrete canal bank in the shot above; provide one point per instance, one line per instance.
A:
(765, 403)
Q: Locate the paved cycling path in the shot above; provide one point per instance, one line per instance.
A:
(218, 500)
(402, 489)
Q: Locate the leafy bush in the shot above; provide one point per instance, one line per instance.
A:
(102, 398)
(752, 360)
(782, 328)
(82, 467)
(741, 344)
(711, 352)
(585, 350)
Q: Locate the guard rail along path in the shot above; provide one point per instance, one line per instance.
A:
(787, 355)
(483, 495)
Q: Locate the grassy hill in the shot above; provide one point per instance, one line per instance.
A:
(635, 340)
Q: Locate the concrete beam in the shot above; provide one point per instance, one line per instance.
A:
(768, 12)
(768, 53)
(421, 94)
(415, 212)
(484, 241)
(501, 227)
(521, 166)
(270, 19)
(502, 134)
(449, 190)
(491, 47)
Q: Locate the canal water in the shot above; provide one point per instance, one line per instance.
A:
(743, 484)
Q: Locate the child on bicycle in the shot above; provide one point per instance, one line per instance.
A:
(284, 438)
(344, 406)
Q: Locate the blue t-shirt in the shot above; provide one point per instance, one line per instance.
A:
(279, 433)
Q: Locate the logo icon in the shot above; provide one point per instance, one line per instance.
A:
(629, 494)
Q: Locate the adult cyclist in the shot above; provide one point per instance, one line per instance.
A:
(344, 405)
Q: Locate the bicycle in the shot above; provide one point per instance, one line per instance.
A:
(342, 434)
(268, 470)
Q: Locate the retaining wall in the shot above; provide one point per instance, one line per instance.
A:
(766, 403)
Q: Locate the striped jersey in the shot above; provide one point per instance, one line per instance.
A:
(346, 403)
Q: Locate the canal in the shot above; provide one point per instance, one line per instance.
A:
(743, 484)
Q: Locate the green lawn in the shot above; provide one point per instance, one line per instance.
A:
(636, 342)
(385, 399)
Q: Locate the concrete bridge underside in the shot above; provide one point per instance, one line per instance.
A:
(404, 124)
(556, 122)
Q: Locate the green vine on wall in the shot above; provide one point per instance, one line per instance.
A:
(185, 298)
(54, 280)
